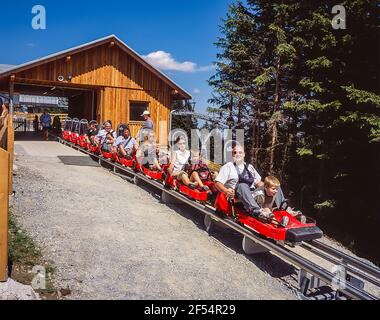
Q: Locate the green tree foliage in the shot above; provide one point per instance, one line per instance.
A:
(183, 122)
(309, 98)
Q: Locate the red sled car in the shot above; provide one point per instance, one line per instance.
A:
(107, 155)
(194, 194)
(129, 163)
(67, 129)
(82, 138)
(155, 174)
(74, 131)
(93, 149)
(295, 231)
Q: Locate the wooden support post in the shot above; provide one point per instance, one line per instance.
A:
(11, 135)
(10, 149)
(4, 207)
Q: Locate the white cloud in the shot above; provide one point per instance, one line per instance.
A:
(30, 44)
(206, 68)
(164, 61)
(196, 91)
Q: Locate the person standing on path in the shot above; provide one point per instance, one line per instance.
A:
(147, 127)
(35, 124)
(45, 120)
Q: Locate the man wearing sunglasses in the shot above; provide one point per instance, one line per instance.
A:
(237, 178)
(236, 172)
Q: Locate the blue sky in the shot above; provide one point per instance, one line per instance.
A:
(179, 35)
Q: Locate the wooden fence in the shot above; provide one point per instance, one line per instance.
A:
(6, 167)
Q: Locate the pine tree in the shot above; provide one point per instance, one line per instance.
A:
(252, 71)
(308, 97)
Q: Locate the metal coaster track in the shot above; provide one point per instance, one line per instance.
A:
(306, 266)
(353, 265)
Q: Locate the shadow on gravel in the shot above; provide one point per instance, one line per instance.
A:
(266, 262)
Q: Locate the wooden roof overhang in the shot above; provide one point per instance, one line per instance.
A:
(177, 91)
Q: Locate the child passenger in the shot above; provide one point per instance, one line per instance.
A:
(179, 159)
(198, 171)
(147, 153)
(92, 132)
(269, 197)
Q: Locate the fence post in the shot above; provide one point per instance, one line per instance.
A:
(4, 207)
(10, 149)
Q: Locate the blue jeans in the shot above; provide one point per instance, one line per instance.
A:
(244, 193)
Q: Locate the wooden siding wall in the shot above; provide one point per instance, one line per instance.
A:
(123, 79)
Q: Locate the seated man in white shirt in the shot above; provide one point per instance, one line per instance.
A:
(125, 145)
(228, 180)
(239, 179)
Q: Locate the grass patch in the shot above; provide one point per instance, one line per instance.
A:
(24, 255)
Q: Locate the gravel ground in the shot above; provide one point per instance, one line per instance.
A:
(110, 239)
(12, 290)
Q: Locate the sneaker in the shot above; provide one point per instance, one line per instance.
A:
(284, 221)
(302, 219)
(192, 186)
(265, 215)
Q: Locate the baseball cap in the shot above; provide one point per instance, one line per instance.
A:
(146, 113)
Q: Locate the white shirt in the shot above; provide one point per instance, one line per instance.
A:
(121, 141)
(229, 177)
(181, 158)
(102, 135)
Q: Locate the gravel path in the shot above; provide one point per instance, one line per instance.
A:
(12, 290)
(110, 239)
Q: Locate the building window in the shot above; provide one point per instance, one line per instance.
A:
(136, 109)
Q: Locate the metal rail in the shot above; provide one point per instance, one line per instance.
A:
(324, 275)
(361, 273)
(338, 257)
(373, 270)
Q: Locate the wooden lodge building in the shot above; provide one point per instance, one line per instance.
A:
(103, 80)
